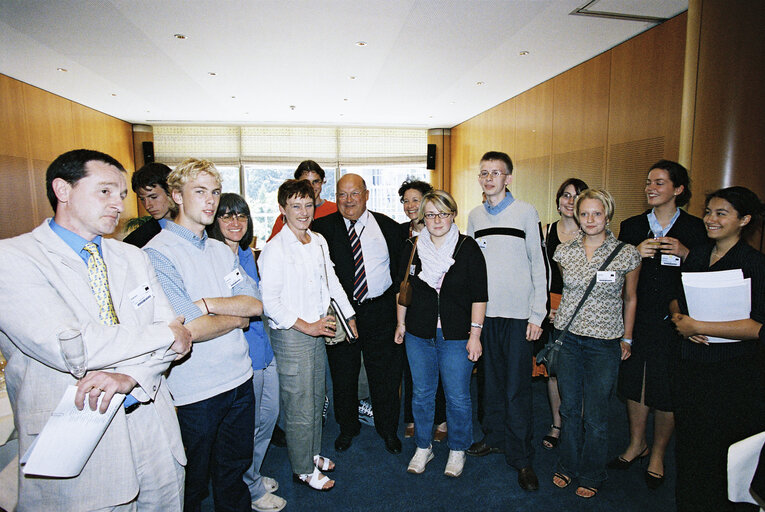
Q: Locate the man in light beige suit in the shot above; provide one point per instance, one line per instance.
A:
(45, 287)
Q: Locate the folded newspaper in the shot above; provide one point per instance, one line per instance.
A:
(69, 437)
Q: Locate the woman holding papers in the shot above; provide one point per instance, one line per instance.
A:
(719, 387)
(597, 330)
(297, 281)
(663, 235)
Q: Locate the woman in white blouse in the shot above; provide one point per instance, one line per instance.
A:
(598, 338)
(297, 281)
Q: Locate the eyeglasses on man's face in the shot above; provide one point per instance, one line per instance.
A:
(494, 174)
(228, 217)
(440, 215)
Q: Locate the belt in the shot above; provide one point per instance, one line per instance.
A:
(386, 294)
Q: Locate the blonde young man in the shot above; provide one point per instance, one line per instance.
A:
(66, 275)
(212, 387)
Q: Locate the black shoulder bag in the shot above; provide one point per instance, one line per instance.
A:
(549, 353)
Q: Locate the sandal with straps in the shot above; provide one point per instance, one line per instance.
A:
(564, 478)
(326, 466)
(593, 490)
(550, 442)
(314, 480)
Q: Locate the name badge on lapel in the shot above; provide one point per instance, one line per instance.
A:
(141, 295)
(233, 278)
(481, 243)
(670, 260)
(606, 276)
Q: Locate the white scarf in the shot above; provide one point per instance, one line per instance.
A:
(436, 262)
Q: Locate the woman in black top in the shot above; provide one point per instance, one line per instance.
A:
(663, 235)
(556, 233)
(719, 387)
(411, 193)
(442, 326)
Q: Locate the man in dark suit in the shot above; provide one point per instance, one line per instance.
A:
(150, 184)
(365, 248)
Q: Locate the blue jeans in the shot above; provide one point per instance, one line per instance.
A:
(265, 384)
(586, 379)
(217, 435)
(428, 358)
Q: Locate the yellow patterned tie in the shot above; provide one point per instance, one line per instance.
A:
(99, 283)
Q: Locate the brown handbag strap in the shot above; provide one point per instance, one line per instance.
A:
(411, 257)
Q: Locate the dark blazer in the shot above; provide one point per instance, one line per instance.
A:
(141, 235)
(332, 227)
(464, 283)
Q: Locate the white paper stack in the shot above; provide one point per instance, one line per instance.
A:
(718, 297)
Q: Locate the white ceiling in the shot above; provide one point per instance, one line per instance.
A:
(419, 68)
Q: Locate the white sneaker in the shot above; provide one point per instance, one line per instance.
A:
(270, 484)
(420, 459)
(269, 503)
(455, 463)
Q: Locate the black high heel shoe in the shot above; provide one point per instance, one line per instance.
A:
(620, 463)
(653, 480)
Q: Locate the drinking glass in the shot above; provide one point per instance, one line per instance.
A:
(73, 352)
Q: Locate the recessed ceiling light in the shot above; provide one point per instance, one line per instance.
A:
(341, 115)
(351, 77)
(479, 83)
(523, 52)
(292, 107)
(345, 99)
(361, 43)
(212, 73)
(148, 111)
(430, 117)
(179, 36)
(63, 70)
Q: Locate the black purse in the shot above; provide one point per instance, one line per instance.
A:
(549, 355)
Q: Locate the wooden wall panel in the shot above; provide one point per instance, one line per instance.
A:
(729, 124)
(604, 121)
(580, 127)
(13, 122)
(533, 145)
(35, 127)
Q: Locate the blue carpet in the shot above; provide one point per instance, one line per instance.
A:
(370, 479)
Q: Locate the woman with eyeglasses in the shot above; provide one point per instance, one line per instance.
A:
(663, 235)
(411, 193)
(719, 387)
(233, 226)
(298, 280)
(442, 326)
(558, 232)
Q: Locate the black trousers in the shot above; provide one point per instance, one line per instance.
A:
(383, 359)
(717, 404)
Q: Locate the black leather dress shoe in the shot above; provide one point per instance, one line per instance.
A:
(481, 449)
(527, 479)
(393, 444)
(343, 441)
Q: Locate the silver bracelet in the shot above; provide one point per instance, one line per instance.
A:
(476, 325)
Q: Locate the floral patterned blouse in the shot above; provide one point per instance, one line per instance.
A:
(601, 314)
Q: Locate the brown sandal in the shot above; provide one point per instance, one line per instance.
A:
(563, 478)
(593, 490)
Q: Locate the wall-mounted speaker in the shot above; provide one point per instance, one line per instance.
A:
(148, 152)
(431, 162)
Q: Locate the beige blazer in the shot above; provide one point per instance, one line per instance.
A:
(43, 290)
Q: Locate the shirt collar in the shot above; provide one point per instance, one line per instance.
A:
(75, 241)
(162, 222)
(494, 210)
(656, 228)
(360, 222)
(187, 235)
